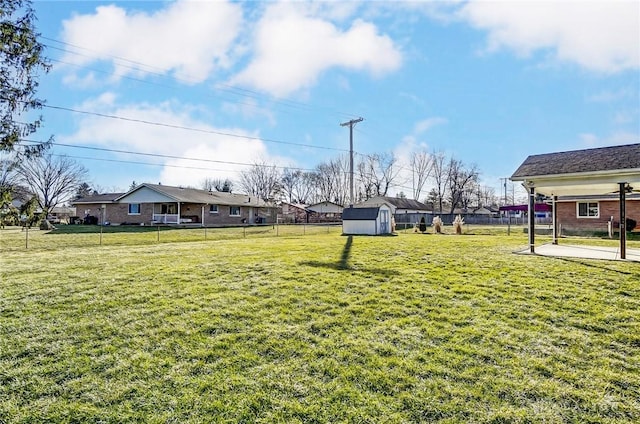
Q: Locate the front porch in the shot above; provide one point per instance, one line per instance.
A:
(173, 219)
(177, 213)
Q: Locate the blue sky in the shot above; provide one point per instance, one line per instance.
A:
(238, 82)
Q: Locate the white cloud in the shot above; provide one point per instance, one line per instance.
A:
(218, 151)
(426, 124)
(597, 35)
(189, 39)
(292, 48)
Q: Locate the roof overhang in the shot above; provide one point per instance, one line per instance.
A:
(603, 182)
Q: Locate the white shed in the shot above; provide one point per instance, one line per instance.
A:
(367, 221)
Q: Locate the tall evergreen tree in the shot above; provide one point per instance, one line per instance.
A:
(21, 59)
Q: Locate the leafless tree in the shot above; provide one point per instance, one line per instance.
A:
(290, 181)
(52, 179)
(487, 196)
(377, 173)
(262, 180)
(217, 184)
(460, 178)
(331, 181)
(439, 173)
(421, 163)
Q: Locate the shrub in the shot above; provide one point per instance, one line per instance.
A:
(630, 224)
(458, 222)
(437, 225)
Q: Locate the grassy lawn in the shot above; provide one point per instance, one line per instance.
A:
(313, 328)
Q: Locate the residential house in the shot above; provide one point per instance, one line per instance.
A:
(594, 212)
(293, 212)
(324, 212)
(599, 172)
(98, 208)
(151, 204)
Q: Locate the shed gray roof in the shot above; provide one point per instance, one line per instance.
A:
(580, 161)
(403, 203)
(360, 214)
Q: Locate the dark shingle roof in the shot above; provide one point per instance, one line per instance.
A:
(401, 203)
(578, 161)
(194, 195)
(98, 198)
(359, 214)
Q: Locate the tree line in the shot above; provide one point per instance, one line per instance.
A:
(453, 183)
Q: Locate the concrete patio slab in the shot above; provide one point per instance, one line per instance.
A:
(587, 252)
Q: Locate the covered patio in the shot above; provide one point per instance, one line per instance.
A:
(584, 252)
(599, 171)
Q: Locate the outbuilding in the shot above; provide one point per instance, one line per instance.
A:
(603, 171)
(367, 221)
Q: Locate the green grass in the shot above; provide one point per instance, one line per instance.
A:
(313, 328)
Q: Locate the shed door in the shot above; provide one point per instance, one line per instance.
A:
(384, 221)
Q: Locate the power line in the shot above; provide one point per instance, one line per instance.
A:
(181, 127)
(158, 155)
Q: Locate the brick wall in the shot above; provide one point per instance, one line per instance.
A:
(568, 215)
(118, 213)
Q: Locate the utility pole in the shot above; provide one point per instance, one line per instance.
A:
(504, 185)
(351, 123)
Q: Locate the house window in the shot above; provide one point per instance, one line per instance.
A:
(234, 211)
(134, 208)
(588, 210)
(213, 208)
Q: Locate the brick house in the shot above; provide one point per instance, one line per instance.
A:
(324, 212)
(594, 212)
(151, 204)
(594, 178)
(294, 212)
(101, 206)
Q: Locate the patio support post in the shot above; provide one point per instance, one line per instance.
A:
(532, 219)
(178, 214)
(554, 214)
(623, 219)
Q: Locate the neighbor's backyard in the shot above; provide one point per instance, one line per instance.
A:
(313, 328)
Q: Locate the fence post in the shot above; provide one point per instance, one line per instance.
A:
(26, 243)
(158, 227)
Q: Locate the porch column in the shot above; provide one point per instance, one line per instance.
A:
(532, 219)
(202, 220)
(623, 221)
(178, 214)
(554, 214)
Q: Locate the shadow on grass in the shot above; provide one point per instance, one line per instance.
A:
(593, 265)
(343, 263)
